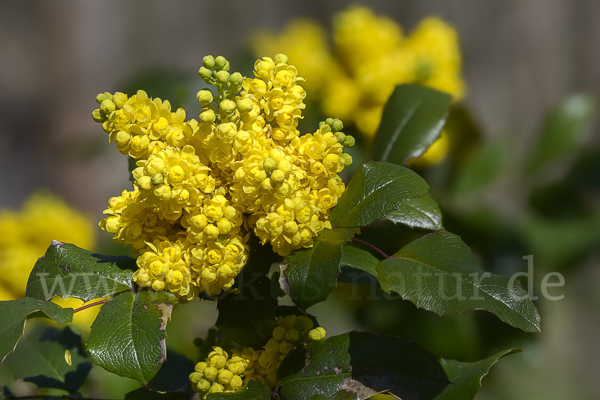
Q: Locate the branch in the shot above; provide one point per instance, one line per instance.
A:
(371, 246)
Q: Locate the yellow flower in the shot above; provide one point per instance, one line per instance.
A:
(219, 373)
(27, 234)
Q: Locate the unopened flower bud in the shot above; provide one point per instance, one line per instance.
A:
(329, 121)
(236, 78)
(221, 63)
(349, 142)
(227, 107)
(205, 73)
(203, 386)
(316, 334)
(207, 115)
(208, 62)
(303, 323)
(204, 97)
(98, 117)
(100, 98)
(281, 59)
(269, 164)
(107, 106)
(340, 137)
(222, 76)
(196, 376)
(157, 179)
(337, 125)
(346, 159)
(277, 176)
(245, 104)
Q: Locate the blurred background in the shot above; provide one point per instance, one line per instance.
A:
(527, 67)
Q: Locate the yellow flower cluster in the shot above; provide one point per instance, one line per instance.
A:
(26, 235)
(370, 57)
(218, 373)
(201, 186)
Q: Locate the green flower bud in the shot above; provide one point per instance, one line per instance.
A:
(340, 136)
(107, 106)
(207, 115)
(303, 323)
(281, 59)
(98, 117)
(321, 124)
(222, 77)
(346, 159)
(108, 95)
(245, 105)
(221, 62)
(203, 386)
(208, 62)
(157, 179)
(329, 121)
(196, 376)
(236, 78)
(205, 73)
(316, 334)
(204, 97)
(100, 98)
(227, 106)
(349, 142)
(269, 165)
(337, 125)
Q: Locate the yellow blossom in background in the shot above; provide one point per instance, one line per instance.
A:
(201, 187)
(27, 234)
(370, 56)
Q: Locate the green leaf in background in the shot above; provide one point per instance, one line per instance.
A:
(15, 312)
(248, 317)
(376, 189)
(69, 271)
(128, 335)
(481, 168)
(363, 364)
(40, 358)
(564, 130)
(438, 273)
(147, 394)
(419, 212)
(253, 391)
(412, 120)
(309, 275)
(466, 377)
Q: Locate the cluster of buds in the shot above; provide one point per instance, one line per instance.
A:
(219, 373)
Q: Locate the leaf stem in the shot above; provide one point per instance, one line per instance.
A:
(91, 305)
(370, 246)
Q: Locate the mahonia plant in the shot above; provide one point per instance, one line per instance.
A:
(218, 199)
(200, 187)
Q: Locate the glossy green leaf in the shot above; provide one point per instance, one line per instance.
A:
(248, 317)
(253, 391)
(412, 120)
(14, 313)
(147, 394)
(564, 130)
(363, 364)
(69, 271)
(376, 189)
(358, 266)
(309, 275)
(466, 377)
(128, 335)
(40, 358)
(439, 273)
(482, 167)
(419, 212)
